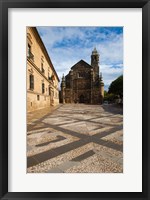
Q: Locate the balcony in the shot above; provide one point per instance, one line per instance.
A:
(31, 56)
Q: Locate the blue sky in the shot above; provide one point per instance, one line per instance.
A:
(67, 45)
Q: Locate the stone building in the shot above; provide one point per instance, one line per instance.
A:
(42, 79)
(83, 84)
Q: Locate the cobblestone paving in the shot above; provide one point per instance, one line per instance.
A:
(76, 138)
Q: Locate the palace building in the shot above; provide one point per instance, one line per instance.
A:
(42, 79)
(83, 84)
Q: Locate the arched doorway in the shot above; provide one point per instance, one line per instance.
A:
(81, 99)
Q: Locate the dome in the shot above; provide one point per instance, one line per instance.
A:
(63, 78)
(95, 52)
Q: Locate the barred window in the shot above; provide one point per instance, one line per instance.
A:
(31, 84)
(38, 97)
(29, 50)
(42, 68)
(43, 88)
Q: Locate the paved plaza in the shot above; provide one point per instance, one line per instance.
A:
(75, 138)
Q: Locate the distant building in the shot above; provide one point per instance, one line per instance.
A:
(83, 84)
(42, 79)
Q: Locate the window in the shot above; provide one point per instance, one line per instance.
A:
(81, 74)
(31, 84)
(43, 88)
(42, 68)
(38, 97)
(45, 98)
(29, 53)
(49, 78)
(29, 50)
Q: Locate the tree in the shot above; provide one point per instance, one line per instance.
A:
(116, 87)
(108, 97)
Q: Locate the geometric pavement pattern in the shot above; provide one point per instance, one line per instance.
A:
(77, 138)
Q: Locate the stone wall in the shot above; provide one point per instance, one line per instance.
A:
(39, 65)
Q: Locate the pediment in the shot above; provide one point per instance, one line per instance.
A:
(81, 64)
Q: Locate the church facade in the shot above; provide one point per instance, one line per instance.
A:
(83, 83)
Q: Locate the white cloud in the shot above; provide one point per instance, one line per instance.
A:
(110, 47)
(51, 35)
(110, 73)
(112, 51)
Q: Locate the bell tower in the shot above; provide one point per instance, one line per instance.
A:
(95, 62)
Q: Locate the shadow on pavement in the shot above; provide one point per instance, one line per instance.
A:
(113, 108)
